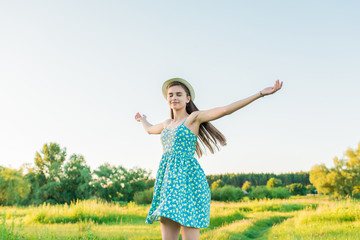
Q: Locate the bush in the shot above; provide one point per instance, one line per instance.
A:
(51, 201)
(296, 189)
(215, 194)
(144, 197)
(227, 193)
(311, 189)
(280, 192)
(356, 192)
(231, 193)
(260, 192)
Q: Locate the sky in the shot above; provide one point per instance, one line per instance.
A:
(77, 72)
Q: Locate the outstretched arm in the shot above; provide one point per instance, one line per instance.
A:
(149, 128)
(215, 113)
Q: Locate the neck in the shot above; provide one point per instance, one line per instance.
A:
(179, 115)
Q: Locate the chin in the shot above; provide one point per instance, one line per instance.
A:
(177, 108)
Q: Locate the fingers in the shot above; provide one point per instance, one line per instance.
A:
(137, 116)
(278, 84)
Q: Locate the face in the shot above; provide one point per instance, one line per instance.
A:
(176, 97)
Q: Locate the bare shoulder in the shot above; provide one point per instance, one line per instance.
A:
(194, 114)
(166, 122)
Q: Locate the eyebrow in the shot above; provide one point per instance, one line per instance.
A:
(175, 92)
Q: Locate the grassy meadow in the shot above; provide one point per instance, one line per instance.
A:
(294, 218)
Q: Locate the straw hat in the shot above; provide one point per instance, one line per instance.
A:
(183, 81)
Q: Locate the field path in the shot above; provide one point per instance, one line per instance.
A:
(261, 228)
(255, 226)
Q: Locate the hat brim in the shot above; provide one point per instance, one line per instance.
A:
(183, 81)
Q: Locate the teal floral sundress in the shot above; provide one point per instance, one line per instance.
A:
(181, 191)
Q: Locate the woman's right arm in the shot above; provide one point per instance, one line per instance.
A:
(149, 128)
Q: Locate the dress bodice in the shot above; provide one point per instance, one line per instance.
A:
(179, 140)
(181, 191)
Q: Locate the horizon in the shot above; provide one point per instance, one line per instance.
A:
(78, 78)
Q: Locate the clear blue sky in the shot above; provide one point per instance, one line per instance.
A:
(76, 72)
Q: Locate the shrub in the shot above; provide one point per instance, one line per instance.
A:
(144, 197)
(231, 193)
(356, 192)
(51, 201)
(260, 192)
(215, 194)
(279, 192)
(311, 189)
(296, 189)
(227, 193)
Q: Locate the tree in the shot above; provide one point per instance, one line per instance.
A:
(274, 182)
(137, 178)
(77, 178)
(14, 188)
(257, 179)
(343, 179)
(318, 178)
(117, 183)
(296, 189)
(246, 186)
(50, 160)
(217, 184)
(102, 181)
(48, 164)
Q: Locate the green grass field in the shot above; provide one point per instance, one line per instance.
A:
(295, 218)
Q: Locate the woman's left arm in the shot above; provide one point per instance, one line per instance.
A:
(215, 113)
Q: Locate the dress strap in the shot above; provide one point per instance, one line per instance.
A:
(184, 121)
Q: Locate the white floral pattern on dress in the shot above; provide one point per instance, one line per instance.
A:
(181, 191)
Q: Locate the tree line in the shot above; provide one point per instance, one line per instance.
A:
(259, 179)
(342, 180)
(56, 178)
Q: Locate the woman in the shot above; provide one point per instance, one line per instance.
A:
(181, 198)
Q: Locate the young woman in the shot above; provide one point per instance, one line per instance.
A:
(181, 199)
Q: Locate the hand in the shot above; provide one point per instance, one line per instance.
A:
(139, 118)
(271, 90)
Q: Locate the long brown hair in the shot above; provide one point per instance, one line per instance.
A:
(209, 136)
